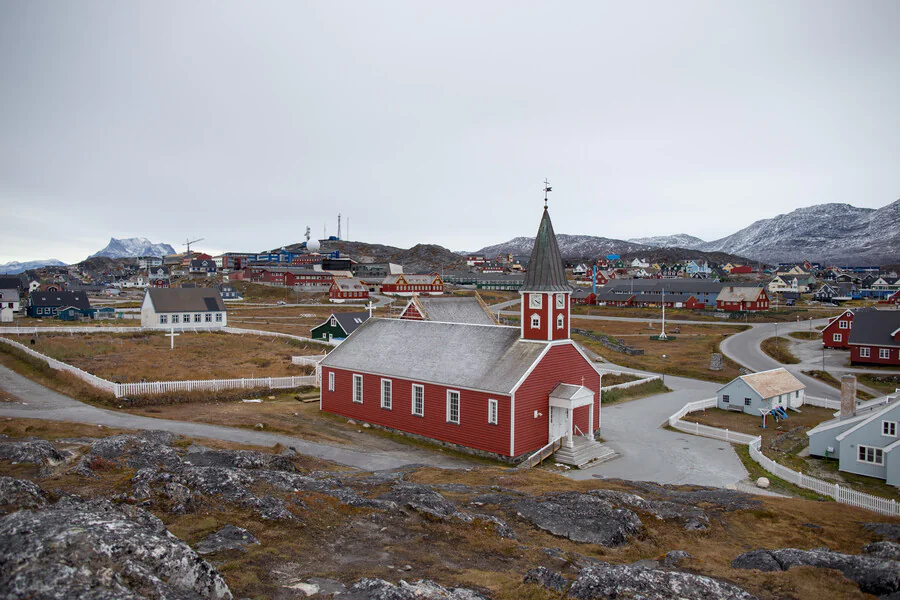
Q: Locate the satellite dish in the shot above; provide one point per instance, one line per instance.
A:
(312, 245)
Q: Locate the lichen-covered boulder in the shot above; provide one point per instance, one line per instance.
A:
(606, 582)
(581, 517)
(29, 451)
(95, 549)
(16, 494)
(229, 537)
(379, 589)
(886, 550)
(549, 579)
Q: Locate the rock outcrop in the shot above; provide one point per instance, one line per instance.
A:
(581, 517)
(77, 549)
(873, 574)
(379, 589)
(227, 538)
(602, 582)
(16, 494)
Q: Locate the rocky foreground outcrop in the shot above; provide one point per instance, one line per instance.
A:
(94, 549)
(874, 573)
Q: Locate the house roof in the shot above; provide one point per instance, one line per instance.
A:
(454, 310)
(186, 299)
(350, 321)
(769, 384)
(420, 279)
(734, 293)
(350, 284)
(890, 406)
(874, 327)
(9, 295)
(581, 293)
(202, 264)
(478, 357)
(690, 286)
(545, 268)
(76, 299)
(11, 282)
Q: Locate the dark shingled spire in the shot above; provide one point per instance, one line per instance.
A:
(546, 272)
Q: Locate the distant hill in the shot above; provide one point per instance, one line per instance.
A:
(421, 258)
(14, 267)
(133, 247)
(679, 240)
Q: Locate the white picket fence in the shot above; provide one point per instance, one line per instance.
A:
(628, 384)
(310, 361)
(840, 494)
(822, 402)
(157, 387)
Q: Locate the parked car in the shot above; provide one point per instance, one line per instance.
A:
(281, 303)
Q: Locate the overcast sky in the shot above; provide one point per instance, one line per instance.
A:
(244, 122)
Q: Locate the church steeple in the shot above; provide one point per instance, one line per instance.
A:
(545, 292)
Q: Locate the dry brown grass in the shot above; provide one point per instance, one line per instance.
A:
(687, 355)
(779, 348)
(147, 356)
(752, 425)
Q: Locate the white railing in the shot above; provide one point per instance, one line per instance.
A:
(822, 402)
(310, 361)
(844, 495)
(158, 387)
(628, 384)
(240, 331)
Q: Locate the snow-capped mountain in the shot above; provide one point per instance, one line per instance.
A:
(14, 267)
(827, 233)
(133, 247)
(679, 240)
(570, 246)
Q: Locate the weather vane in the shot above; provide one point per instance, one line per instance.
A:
(547, 189)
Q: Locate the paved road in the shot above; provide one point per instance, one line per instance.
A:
(43, 403)
(650, 453)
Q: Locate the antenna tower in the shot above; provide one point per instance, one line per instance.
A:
(339, 226)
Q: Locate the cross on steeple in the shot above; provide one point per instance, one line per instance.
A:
(547, 189)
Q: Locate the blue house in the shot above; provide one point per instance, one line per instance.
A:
(864, 440)
(47, 304)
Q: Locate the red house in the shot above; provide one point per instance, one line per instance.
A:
(492, 390)
(837, 333)
(347, 289)
(584, 296)
(407, 285)
(875, 338)
(738, 298)
(741, 270)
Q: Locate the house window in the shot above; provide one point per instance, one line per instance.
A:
(535, 321)
(864, 352)
(333, 322)
(386, 394)
(198, 318)
(174, 319)
(186, 319)
(492, 412)
(868, 454)
(163, 319)
(889, 428)
(207, 318)
(726, 398)
(884, 353)
(452, 407)
(844, 325)
(560, 301)
(218, 317)
(747, 401)
(418, 400)
(358, 389)
(837, 337)
(560, 321)
(331, 381)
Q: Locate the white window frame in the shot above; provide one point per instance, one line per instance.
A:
(357, 388)
(421, 400)
(175, 319)
(207, 318)
(186, 318)
(333, 322)
(870, 455)
(837, 337)
(726, 399)
(865, 353)
(331, 381)
(387, 389)
(843, 325)
(198, 318)
(493, 412)
(218, 317)
(163, 319)
(560, 321)
(535, 321)
(451, 394)
(889, 428)
(560, 301)
(535, 301)
(884, 353)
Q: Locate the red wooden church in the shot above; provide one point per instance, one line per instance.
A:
(488, 389)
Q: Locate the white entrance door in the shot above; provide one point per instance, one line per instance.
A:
(559, 422)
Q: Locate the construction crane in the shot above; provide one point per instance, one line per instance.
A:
(188, 243)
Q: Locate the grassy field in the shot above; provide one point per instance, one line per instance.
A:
(643, 390)
(147, 356)
(779, 348)
(688, 355)
(806, 335)
(828, 378)
(780, 315)
(886, 384)
(29, 322)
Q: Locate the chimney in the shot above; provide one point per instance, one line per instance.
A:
(848, 396)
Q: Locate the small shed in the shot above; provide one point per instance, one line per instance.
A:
(758, 392)
(338, 326)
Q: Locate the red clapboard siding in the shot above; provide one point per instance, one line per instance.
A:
(473, 431)
(563, 333)
(874, 357)
(835, 327)
(535, 333)
(562, 364)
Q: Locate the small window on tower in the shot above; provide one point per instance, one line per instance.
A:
(560, 322)
(535, 321)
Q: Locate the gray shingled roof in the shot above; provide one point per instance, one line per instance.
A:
(546, 272)
(186, 299)
(455, 310)
(350, 321)
(492, 359)
(874, 327)
(76, 299)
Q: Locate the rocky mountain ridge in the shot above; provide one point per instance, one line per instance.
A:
(679, 240)
(133, 248)
(15, 267)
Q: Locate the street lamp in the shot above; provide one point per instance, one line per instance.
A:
(823, 358)
(664, 370)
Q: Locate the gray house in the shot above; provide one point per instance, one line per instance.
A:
(757, 393)
(864, 440)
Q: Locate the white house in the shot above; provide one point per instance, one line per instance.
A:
(183, 308)
(762, 392)
(640, 263)
(9, 304)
